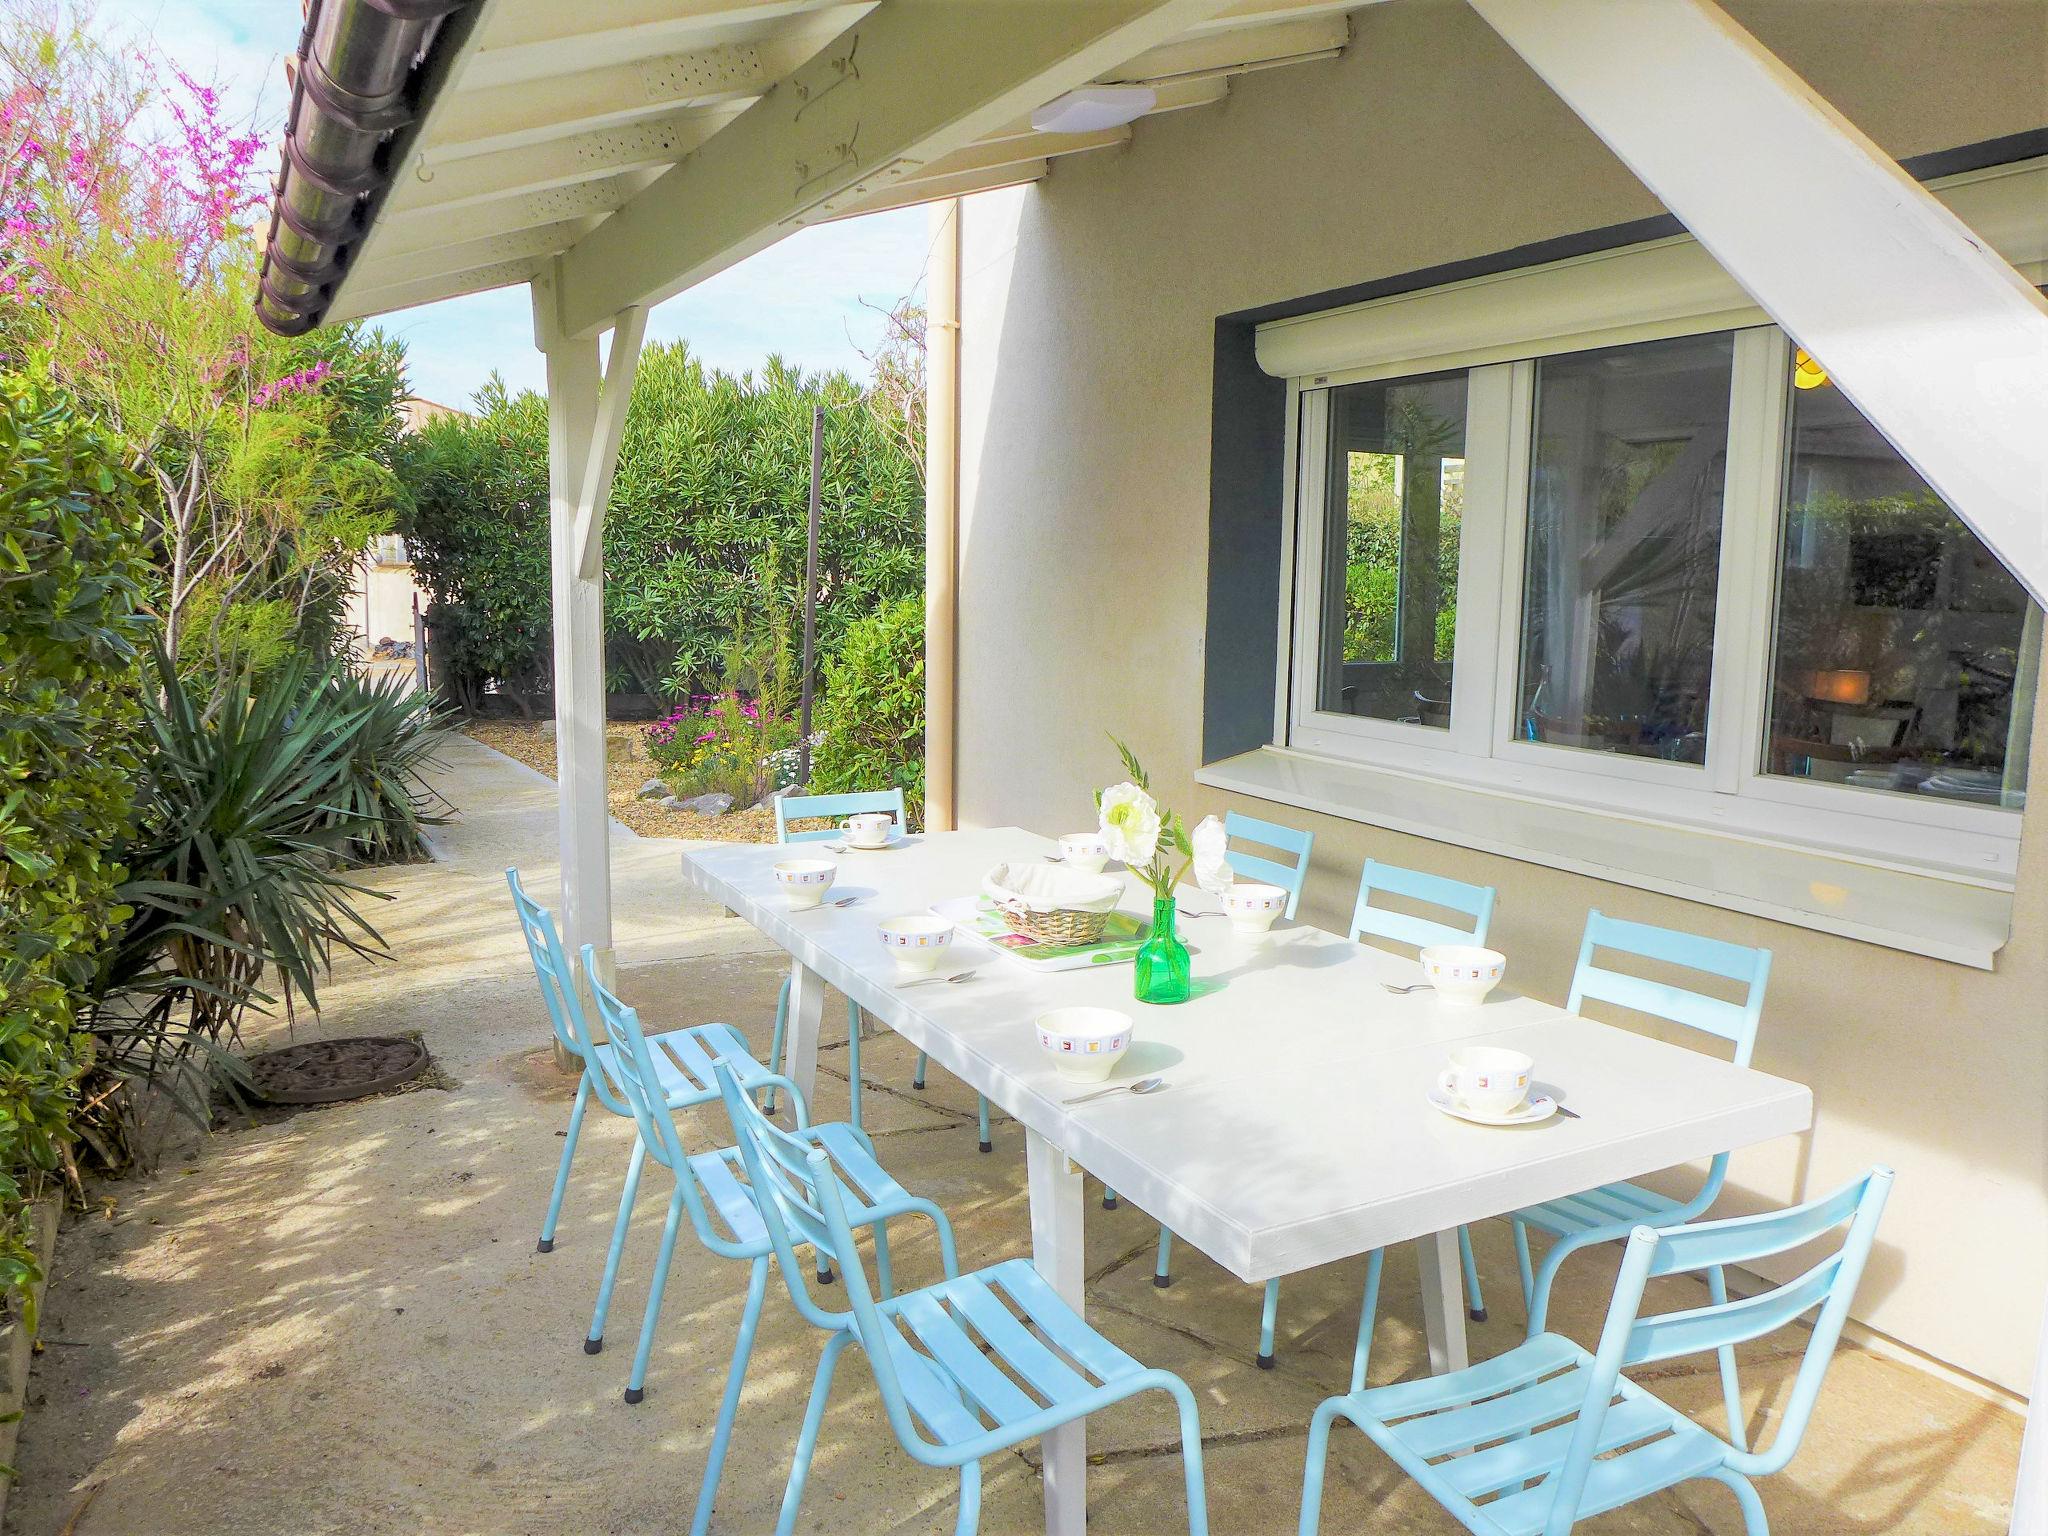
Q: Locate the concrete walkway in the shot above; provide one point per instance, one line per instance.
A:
(338, 1322)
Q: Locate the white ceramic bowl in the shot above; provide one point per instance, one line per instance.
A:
(917, 941)
(805, 881)
(1084, 851)
(1253, 907)
(1463, 973)
(1084, 1042)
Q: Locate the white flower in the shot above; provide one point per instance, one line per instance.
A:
(1130, 824)
(1212, 868)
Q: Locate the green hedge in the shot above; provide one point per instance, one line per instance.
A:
(71, 575)
(872, 715)
(704, 537)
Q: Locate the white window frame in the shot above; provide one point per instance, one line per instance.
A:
(1730, 793)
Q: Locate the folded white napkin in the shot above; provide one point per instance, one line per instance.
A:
(1042, 887)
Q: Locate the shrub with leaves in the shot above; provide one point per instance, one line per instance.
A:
(70, 580)
(705, 532)
(872, 716)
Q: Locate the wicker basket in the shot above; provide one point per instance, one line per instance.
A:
(1057, 927)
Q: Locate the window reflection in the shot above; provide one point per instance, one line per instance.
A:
(1903, 648)
(1396, 504)
(1624, 545)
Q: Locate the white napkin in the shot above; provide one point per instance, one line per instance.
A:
(1042, 887)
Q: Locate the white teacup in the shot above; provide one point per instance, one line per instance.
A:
(870, 829)
(1462, 973)
(1488, 1078)
(917, 942)
(1085, 851)
(805, 881)
(1253, 907)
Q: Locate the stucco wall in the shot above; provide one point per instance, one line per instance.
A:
(1087, 339)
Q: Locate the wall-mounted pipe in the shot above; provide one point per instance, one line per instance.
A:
(942, 522)
(354, 86)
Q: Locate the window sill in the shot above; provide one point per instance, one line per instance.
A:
(1945, 919)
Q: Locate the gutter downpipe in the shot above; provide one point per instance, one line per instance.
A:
(942, 522)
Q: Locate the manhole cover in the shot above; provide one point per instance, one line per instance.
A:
(327, 1071)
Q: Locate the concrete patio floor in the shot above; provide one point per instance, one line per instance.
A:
(338, 1322)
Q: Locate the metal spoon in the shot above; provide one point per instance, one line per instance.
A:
(1142, 1085)
(844, 901)
(1417, 986)
(921, 981)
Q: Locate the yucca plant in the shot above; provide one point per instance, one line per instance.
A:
(384, 802)
(255, 803)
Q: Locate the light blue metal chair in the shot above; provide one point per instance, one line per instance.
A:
(790, 808)
(1290, 878)
(723, 1212)
(1268, 834)
(1610, 1213)
(801, 807)
(681, 1070)
(967, 1366)
(1535, 1440)
(1380, 922)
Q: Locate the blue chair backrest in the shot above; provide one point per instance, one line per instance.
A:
(1474, 901)
(1269, 834)
(1732, 1021)
(640, 1086)
(558, 991)
(790, 808)
(1629, 1338)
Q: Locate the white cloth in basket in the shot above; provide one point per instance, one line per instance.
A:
(1043, 887)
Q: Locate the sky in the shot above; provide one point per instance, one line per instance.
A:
(817, 299)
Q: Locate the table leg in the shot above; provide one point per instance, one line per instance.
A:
(1056, 1231)
(1443, 1301)
(800, 1049)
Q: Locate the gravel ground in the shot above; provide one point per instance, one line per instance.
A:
(626, 768)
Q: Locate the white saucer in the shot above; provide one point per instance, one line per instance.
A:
(847, 845)
(1527, 1114)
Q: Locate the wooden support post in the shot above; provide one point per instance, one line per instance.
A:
(586, 421)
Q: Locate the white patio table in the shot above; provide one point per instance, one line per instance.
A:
(1295, 1130)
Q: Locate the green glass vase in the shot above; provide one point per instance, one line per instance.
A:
(1164, 974)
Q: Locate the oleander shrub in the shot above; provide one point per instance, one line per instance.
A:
(72, 575)
(872, 717)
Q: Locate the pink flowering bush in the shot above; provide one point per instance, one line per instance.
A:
(132, 209)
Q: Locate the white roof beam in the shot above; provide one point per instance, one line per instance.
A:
(433, 185)
(431, 251)
(915, 80)
(531, 39)
(1247, 13)
(935, 189)
(1235, 51)
(353, 302)
(1940, 342)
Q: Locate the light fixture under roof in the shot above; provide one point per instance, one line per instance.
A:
(1095, 107)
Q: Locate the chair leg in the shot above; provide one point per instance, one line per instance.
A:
(1108, 1198)
(1269, 1314)
(595, 1341)
(1368, 1315)
(1312, 1470)
(853, 1060)
(728, 1407)
(1162, 1267)
(1731, 1383)
(547, 1225)
(1523, 1266)
(1475, 1299)
(970, 1500)
(917, 1077)
(636, 1383)
(981, 1119)
(885, 1277)
(807, 1436)
(775, 1046)
(1754, 1522)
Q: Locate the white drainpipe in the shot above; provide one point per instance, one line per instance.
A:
(942, 519)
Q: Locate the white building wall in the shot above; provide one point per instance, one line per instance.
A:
(1089, 305)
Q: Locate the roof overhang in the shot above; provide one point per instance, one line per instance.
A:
(635, 147)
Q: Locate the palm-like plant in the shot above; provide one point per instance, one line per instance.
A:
(254, 805)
